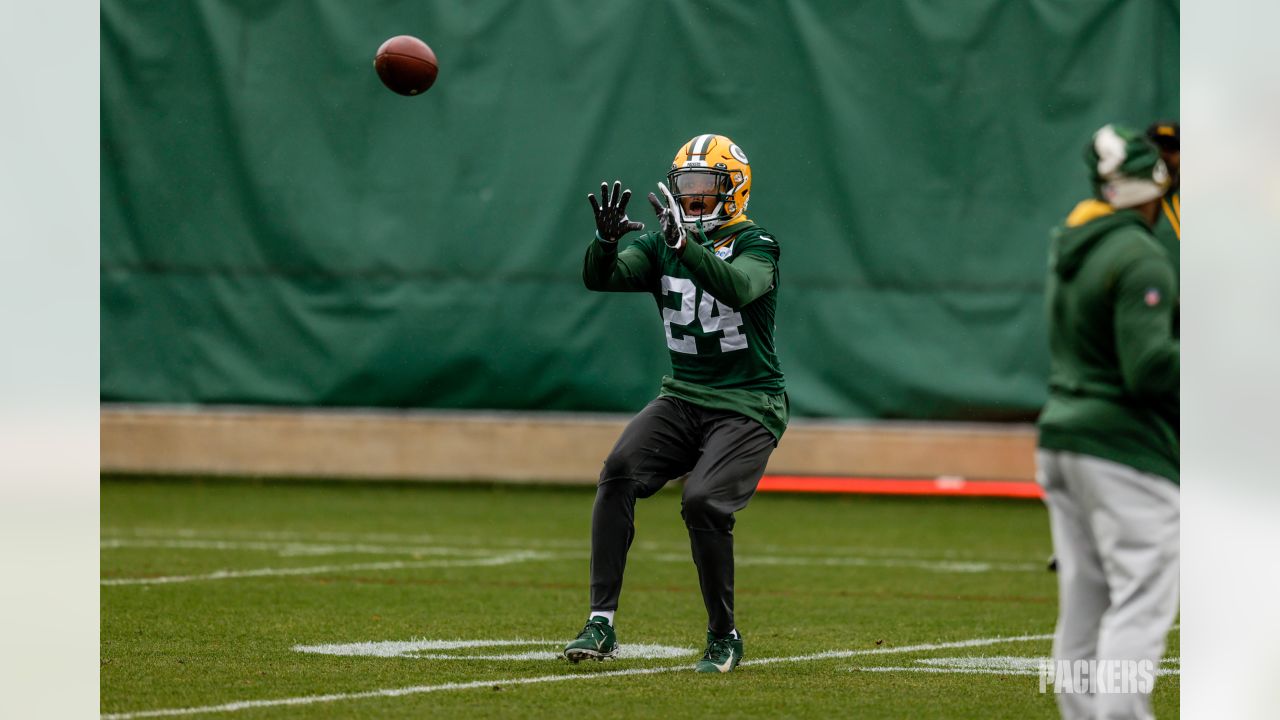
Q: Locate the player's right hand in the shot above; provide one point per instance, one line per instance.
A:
(673, 231)
(611, 212)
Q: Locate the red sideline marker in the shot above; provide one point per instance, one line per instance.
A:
(900, 486)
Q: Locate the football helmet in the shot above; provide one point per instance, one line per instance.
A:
(710, 180)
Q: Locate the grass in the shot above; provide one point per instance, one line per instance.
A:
(816, 573)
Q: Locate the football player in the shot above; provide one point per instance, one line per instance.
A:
(713, 274)
(1108, 449)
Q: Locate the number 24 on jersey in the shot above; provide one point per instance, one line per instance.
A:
(712, 315)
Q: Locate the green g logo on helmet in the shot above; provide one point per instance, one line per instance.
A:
(711, 175)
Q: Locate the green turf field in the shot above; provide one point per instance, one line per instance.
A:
(229, 599)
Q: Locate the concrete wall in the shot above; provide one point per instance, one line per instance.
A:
(545, 447)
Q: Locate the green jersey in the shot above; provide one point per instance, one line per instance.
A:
(1113, 359)
(717, 302)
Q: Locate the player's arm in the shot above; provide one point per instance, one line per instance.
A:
(737, 282)
(1148, 352)
(604, 268)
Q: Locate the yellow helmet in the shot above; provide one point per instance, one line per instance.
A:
(710, 180)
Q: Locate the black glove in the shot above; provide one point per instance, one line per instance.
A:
(673, 231)
(611, 212)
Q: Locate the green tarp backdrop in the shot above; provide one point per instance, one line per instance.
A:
(278, 228)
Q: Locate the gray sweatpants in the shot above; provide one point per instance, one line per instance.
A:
(1115, 534)
(724, 454)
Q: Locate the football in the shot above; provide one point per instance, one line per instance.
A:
(406, 65)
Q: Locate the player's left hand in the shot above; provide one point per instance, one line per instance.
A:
(611, 212)
(673, 231)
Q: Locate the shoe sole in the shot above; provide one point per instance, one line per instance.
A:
(577, 655)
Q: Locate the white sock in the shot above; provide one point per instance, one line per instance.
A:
(606, 614)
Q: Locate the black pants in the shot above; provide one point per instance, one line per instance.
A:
(724, 454)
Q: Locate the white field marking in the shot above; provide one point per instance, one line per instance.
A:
(403, 648)
(385, 693)
(945, 671)
(293, 548)
(286, 548)
(945, 553)
(421, 538)
(836, 654)
(950, 553)
(426, 650)
(948, 566)
(491, 561)
(444, 687)
(999, 665)
(956, 566)
(630, 651)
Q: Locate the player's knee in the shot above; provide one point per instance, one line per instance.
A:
(619, 466)
(701, 512)
(616, 493)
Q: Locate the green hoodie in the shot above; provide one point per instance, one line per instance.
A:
(1114, 361)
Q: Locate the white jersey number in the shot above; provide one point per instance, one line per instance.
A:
(712, 315)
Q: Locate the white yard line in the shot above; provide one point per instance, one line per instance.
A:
(947, 566)
(953, 566)
(430, 649)
(949, 671)
(290, 548)
(998, 665)
(421, 689)
(488, 561)
(837, 654)
(1162, 672)
(293, 548)
(947, 554)
(290, 535)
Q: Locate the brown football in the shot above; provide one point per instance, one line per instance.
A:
(406, 65)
